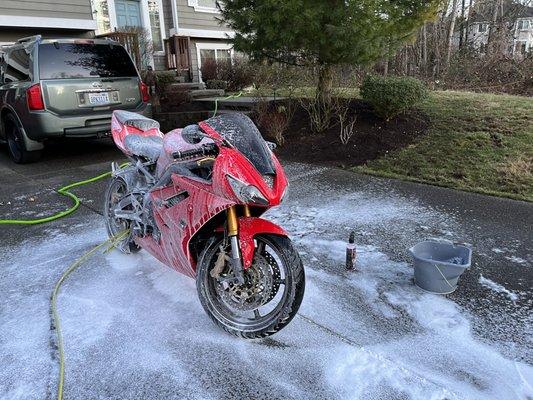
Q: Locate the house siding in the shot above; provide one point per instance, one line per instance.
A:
(75, 9)
(188, 18)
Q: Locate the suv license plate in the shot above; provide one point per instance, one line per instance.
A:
(98, 98)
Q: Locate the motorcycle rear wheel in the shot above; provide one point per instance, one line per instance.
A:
(277, 276)
(116, 190)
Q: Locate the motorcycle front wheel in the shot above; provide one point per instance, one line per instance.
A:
(270, 296)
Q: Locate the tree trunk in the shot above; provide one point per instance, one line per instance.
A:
(450, 33)
(493, 27)
(461, 37)
(424, 49)
(325, 84)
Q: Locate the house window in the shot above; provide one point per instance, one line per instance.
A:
(523, 24)
(216, 52)
(207, 3)
(482, 28)
(155, 24)
(218, 55)
(209, 6)
(101, 15)
(128, 13)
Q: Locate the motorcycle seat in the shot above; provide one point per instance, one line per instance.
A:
(128, 118)
(149, 147)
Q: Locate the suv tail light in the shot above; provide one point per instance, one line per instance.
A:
(35, 98)
(145, 94)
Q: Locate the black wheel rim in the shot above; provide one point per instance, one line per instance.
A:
(14, 143)
(116, 226)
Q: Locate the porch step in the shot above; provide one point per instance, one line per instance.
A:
(224, 111)
(239, 103)
(205, 93)
(178, 86)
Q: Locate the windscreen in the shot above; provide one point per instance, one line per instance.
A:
(241, 132)
(84, 60)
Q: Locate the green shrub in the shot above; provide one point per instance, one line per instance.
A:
(392, 95)
(216, 84)
(237, 74)
(164, 79)
(210, 70)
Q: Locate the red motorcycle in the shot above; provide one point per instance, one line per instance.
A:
(193, 199)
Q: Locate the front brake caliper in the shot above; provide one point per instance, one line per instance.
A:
(220, 263)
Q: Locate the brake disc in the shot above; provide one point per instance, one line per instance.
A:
(261, 283)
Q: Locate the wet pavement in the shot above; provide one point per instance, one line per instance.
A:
(135, 329)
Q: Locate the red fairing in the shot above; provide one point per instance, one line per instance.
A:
(249, 228)
(186, 206)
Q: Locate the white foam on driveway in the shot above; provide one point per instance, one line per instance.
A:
(496, 287)
(134, 328)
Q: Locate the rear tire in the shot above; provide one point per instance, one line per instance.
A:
(273, 321)
(16, 146)
(116, 188)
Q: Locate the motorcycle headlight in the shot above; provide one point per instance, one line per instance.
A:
(247, 193)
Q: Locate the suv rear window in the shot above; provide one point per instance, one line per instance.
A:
(84, 60)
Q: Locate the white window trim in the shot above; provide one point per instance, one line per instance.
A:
(205, 33)
(46, 22)
(197, 8)
(210, 46)
(161, 27)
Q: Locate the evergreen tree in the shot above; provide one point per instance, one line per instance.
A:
(324, 33)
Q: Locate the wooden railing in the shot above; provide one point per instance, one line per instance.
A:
(130, 41)
(178, 56)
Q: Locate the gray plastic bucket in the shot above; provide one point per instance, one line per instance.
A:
(438, 265)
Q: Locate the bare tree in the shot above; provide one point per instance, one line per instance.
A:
(451, 30)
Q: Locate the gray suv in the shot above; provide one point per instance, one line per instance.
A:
(64, 88)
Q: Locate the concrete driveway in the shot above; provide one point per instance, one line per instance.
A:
(134, 328)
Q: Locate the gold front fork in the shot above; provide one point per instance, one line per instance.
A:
(233, 223)
(247, 212)
(233, 232)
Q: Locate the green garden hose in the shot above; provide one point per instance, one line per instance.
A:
(56, 322)
(233, 96)
(64, 191)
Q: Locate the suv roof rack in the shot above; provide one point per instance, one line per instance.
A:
(30, 39)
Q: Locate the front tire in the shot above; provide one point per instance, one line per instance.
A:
(275, 288)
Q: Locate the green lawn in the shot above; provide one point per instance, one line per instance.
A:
(476, 142)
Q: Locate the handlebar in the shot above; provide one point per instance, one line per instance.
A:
(205, 150)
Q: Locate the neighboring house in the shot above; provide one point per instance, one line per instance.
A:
(519, 29)
(53, 18)
(195, 35)
(184, 32)
(523, 35)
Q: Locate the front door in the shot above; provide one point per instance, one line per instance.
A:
(128, 13)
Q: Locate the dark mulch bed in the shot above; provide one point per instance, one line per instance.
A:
(374, 137)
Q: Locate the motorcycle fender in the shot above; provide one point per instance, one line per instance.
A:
(249, 227)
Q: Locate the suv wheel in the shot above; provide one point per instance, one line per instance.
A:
(15, 144)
